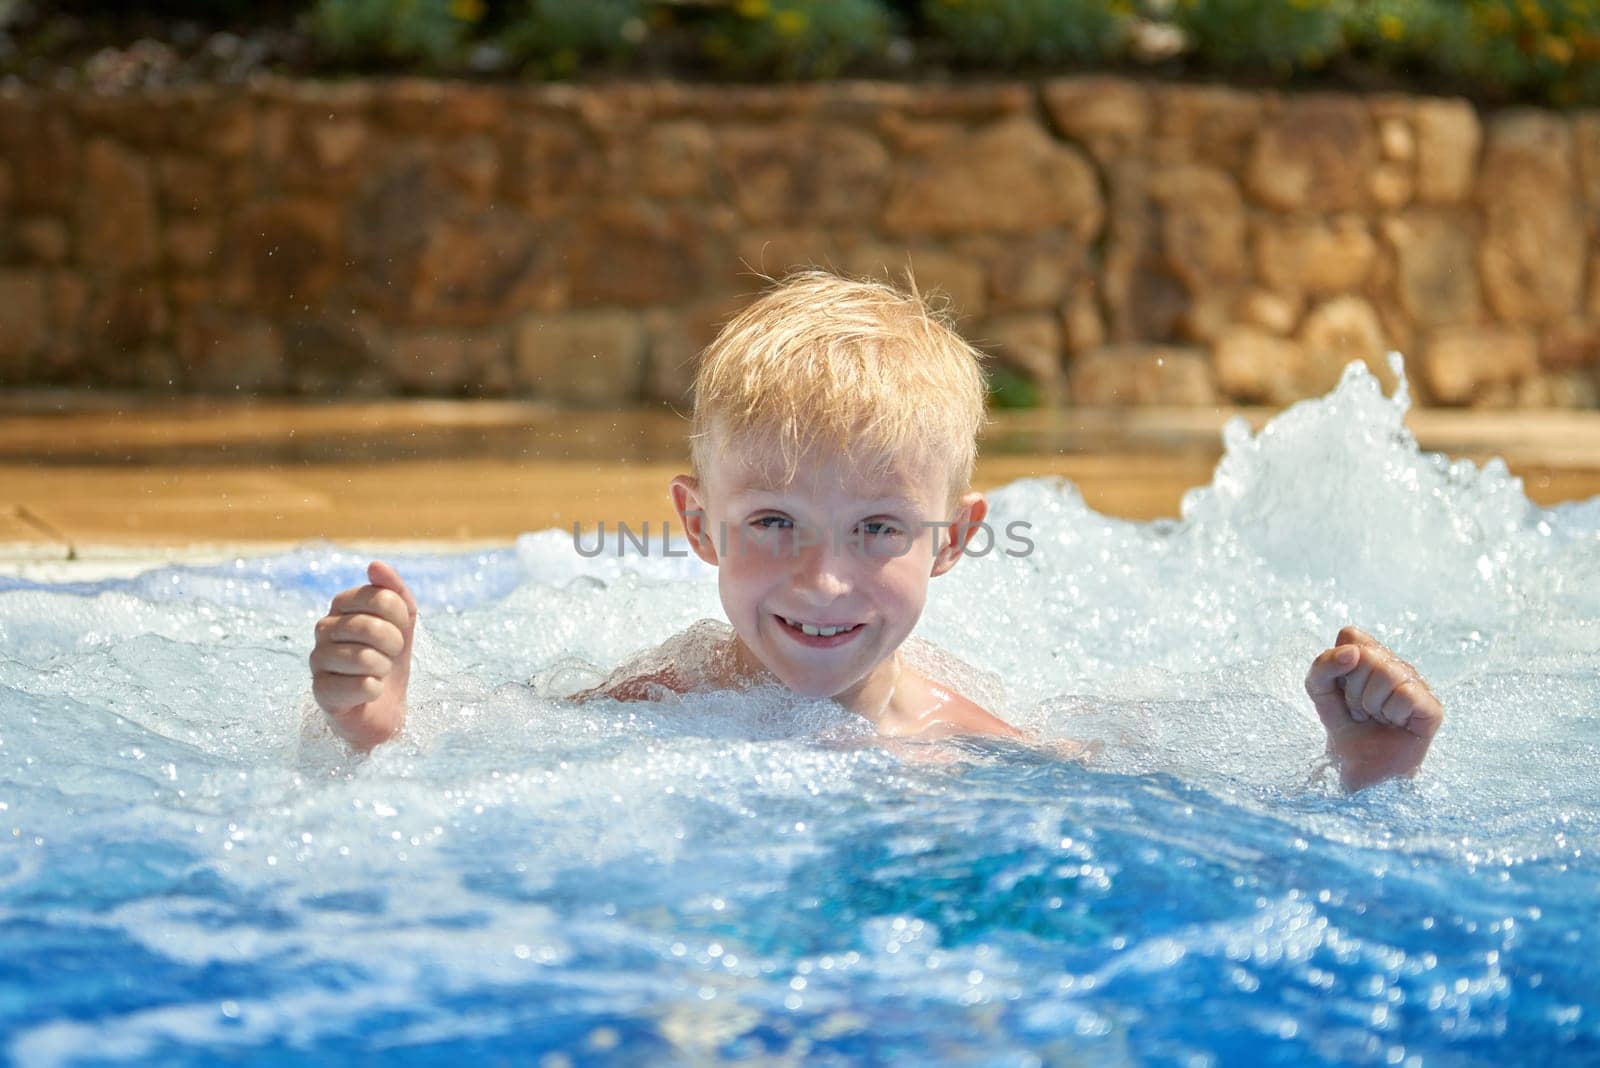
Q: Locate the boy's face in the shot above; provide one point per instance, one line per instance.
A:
(832, 549)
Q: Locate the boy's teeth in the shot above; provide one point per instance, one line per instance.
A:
(825, 632)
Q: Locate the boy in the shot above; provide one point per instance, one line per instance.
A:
(834, 436)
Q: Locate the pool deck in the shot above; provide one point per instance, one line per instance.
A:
(108, 483)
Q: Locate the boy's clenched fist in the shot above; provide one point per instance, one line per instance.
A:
(362, 659)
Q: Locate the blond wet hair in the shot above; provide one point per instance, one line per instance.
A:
(860, 368)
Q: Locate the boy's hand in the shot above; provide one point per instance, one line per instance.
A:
(362, 660)
(1379, 714)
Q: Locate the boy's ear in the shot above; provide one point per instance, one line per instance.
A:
(968, 521)
(687, 499)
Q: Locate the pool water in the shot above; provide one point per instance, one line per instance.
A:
(193, 870)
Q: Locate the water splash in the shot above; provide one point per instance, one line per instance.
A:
(736, 876)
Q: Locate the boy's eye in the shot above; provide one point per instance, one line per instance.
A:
(772, 522)
(880, 528)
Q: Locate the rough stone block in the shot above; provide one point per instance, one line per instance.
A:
(1109, 117)
(1534, 241)
(1570, 344)
(799, 170)
(1336, 332)
(220, 352)
(1202, 225)
(1465, 365)
(1586, 141)
(283, 252)
(1253, 365)
(22, 319)
(451, 362)
(1309, 255)
(635, 255)
(189, 185)
(69, 299)
(477, 267)
(44, 239)
(676, 337)
(585, 357)
(473, 166)
(1138, 375)
(48, 167)
(774, 253)
(1036, 274)
(554, 166)
(1437, 275)
(959, 278)
(675, 160)
(192, 244)
(125, 314)
(1207, 124)
(117, 222)
(1031, 343)
(1010, 177)
(1399, 143)
(337, 143)
(1391, 186)
(1448, 138)
(1083, 326)
(1276, 313)
(1315, 155)
(336, 352)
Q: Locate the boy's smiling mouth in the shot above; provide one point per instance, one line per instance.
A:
(816, 634)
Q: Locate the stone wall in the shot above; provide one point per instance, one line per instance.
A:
(1120, 242)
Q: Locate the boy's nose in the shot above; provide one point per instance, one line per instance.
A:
(822, 573)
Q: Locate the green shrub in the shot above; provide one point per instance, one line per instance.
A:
(1283, 34)
(1510, 49)
(390, 32)
(797, 38)
(558, 38)
(1013, 32)
(1534, 48)
(1011, 389)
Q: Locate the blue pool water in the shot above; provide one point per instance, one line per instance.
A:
(192, 870)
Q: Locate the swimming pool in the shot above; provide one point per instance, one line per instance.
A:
(192, 870)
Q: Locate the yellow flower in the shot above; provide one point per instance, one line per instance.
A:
(467, 10)
(751, 9)
(1558, 49)
(790, 23)
(1390, 27)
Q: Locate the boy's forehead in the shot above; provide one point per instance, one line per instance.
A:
(740, 471)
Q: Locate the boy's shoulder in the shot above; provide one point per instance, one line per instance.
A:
(928, 709)
(699, 657)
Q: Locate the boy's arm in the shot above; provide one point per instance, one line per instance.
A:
(1379, 714)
